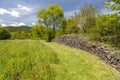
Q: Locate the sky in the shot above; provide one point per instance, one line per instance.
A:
(23, 12)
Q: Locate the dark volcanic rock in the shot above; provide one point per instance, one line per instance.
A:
(105, 53)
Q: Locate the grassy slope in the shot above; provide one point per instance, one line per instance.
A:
(48, 61)
(79, 65)
(26, 60)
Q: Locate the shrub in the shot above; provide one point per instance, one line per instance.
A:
(107, 28)
(42, 32)
(49, 34)
(4, 34)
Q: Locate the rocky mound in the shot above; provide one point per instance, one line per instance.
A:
(108, 55)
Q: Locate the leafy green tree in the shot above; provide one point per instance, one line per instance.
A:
(107, 28)
(62, 28)
(15, 35)
(51, 17)
(38, 31)
(20, 35)
(88, 15)
(72, 26)
(49, 35)
(4, 34)
(45, 33)
(24, 35)
(113, 4)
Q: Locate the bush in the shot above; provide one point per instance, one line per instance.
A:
(20, 35)
(42, 32)
(107, 28)
(49, 34)
(4, 34)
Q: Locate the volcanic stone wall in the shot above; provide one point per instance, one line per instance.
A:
(110, 56)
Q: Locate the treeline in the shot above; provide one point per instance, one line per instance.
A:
(15, 32)
(4, 34)
(88, 21)
(18, 28)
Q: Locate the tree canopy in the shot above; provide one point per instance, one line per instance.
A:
(86, 18)
(113, 4)
(108, 28)
(51, 17)
(4, 34)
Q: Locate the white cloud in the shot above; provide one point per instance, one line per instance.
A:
(17, 24)
(13, 24)
(4, 25)
(21, 24)
(12, 13)
(71, 13)
(15, 13)
(33, 23)
(21, 7)
(3, 11)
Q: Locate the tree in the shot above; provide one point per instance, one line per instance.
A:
(44, 33)
(49, 35)
(38, 31)
(62, 28)
(51, 17)
(108, 28)
(72, 26)
(88, 15)
(4, 34)
(113, 4)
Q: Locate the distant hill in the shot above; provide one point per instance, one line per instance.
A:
(18, 28)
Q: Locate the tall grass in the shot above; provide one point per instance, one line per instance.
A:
(26, 60)
(39, 60)
(80, 65)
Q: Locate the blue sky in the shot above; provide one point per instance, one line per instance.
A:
(23, 12)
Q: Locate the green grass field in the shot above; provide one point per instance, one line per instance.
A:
(39, 60)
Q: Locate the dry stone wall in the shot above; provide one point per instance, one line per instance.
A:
(109, 55)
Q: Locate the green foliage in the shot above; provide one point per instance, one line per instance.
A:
(72, 26)
(82, 21)
(49, 34)
(38, 31)
(21, 32)
(18, 28)
(113, 4)
(45, 33)
(88, 15)
(20, 35)
(4, 34)
(108, 28)
(62, 28)
(51, 17)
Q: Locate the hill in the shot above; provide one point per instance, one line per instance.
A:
(18, 28)
(39, 60)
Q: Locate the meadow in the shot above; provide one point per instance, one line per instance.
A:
(40, 60)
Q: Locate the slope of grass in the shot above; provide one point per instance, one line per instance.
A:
(26, 60)
(39, 60)
(79, 65)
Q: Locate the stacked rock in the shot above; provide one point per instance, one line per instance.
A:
(105, 53)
